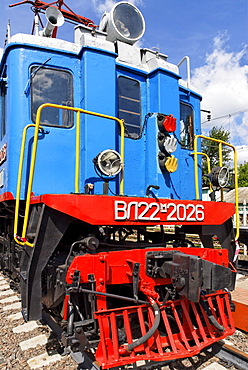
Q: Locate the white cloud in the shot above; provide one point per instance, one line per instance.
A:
(242, 151)
(101, 6)
(223, 83)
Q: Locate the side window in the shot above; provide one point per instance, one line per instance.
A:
(54, 86)
(129, 105)
(3, 92)
(186, 126)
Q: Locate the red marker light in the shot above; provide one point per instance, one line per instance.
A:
(166, 123)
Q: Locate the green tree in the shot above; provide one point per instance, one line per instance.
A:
(211, 148)
(243, 175)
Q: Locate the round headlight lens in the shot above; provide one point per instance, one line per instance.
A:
(124, 23)
(109, 162)
(219, 176)
(128, 21)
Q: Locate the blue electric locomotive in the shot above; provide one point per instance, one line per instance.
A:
(100, 183)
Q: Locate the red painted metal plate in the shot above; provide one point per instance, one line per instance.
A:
(116, 267)
(6, 196)
(108, 210)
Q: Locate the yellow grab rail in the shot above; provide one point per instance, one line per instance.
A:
(22, 240)
(208, 164)
(235, 162)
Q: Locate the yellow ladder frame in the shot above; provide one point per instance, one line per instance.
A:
(235, 162)
(22, 240)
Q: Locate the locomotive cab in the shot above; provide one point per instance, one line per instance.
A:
(100, 194)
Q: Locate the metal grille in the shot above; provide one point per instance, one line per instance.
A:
(184, 330)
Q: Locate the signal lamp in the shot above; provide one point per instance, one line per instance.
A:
(166, 123)
(167, 143)
(219, 176)
(169, 164)
(124, 23)
(108, 162)
(170, 144)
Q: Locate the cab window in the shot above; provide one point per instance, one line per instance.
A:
(54, 86)
(129, 105)
(186, 126)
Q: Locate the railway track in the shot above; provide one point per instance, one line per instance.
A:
(27, 346)
(243, 267)
(231, 355)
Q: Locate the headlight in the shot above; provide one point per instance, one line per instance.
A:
(124, 23)
(219, 176)
(108, 162)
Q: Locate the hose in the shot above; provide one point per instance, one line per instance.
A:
(70, 319)
(150, 332)
(211, 316)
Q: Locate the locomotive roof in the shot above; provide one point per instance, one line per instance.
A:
(143, 59)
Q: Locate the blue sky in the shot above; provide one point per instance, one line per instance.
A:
(214, 34)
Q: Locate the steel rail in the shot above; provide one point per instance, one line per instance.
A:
(230, 354)
(242, 267)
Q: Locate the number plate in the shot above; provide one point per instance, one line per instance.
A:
(158, 211)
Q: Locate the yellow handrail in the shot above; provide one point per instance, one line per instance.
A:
(77, 157)
(208, 164)
(77, 164)
(22, 240)
(18, 188)
(235, 162)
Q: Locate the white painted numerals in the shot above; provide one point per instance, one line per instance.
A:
(143, 211)
(182, 212)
